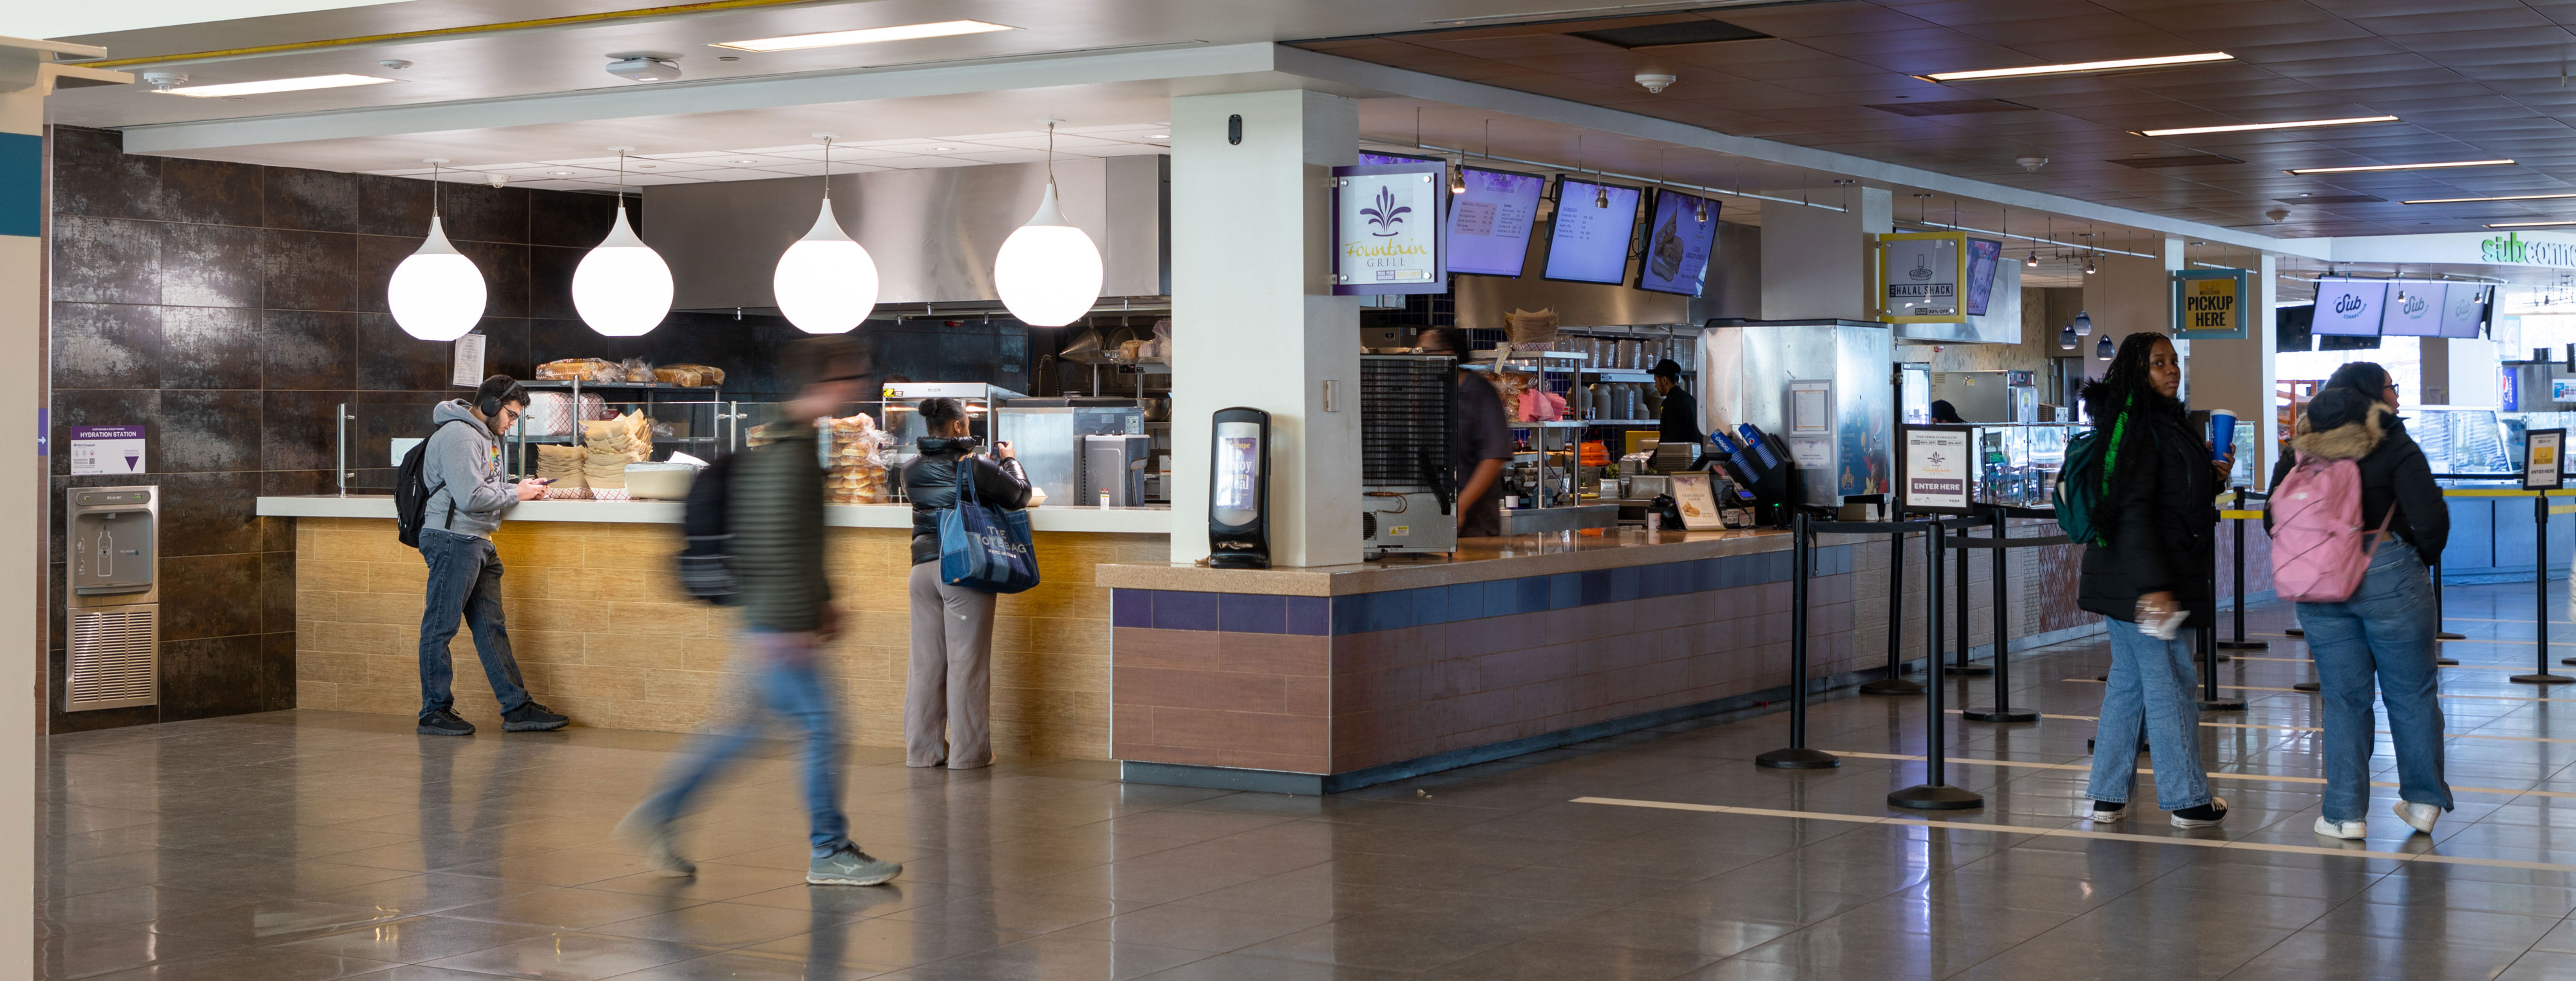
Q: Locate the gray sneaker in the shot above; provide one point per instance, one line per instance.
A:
(657, 840)
(851, 867)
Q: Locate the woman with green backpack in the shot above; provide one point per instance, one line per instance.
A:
(2146, 558)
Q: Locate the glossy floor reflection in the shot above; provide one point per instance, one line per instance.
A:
(305, 846)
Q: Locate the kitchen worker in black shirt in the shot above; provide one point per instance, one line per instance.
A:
(1681, 412)
(1484, 440)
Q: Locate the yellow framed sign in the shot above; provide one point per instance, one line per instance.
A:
(1920, 278)
(2210, 304)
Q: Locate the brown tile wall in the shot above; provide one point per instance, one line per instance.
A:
(604, 635)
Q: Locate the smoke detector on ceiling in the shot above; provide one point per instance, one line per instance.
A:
(644, 67)
(2278, 215)
(1657, 82)
(2031, 164)
(165, 81)
(497, 180)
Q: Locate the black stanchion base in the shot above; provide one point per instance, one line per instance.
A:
(2295, 632)
(2088, 746)
(1999, 715)
(2306, 686)
(1891, 686)
(2244, 645)
(2446, 662)
(1798, 758)
(2221, 704)
(2222, 658)
(2542, 679)
(2570, 661)
(1936, 797)
(2447, 635)
(1967, 670)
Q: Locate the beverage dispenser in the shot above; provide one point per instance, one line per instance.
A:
(112, 598)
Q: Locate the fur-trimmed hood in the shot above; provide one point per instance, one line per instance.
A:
(2350, 441)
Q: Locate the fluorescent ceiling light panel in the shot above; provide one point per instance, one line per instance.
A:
(277, 85)
(2373, 168)
(2080, 68)
(2530, 224)
(2248, 127)
(871, 35)
(2506, 197)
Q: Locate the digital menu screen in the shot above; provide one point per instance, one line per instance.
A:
(2349, 307)
(1983, 256)
(2464, 309)
(1370, 159)
(1678, 243)
(1489, 224)
(2412, 310)
(1588, 241)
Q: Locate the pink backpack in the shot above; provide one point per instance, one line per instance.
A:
(2319, 549)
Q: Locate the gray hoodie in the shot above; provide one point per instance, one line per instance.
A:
(467, 493)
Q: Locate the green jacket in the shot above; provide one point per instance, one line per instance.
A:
(777, 516)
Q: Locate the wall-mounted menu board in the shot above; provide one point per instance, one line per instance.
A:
(2464, 309)
(1490, 223)
(1679, 241)
(1588, 240)
(2412, 310)
(2349, 307)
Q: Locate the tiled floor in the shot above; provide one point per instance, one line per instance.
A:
(303, 846)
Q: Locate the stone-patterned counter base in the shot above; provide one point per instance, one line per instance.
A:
(604, 635)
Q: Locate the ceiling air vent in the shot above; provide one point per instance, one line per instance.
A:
(1951, 107)
(2176, 160)
(1672, 33)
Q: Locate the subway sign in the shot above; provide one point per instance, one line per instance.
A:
(2209, 304)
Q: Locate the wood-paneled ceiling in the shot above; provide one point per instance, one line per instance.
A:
(2469, 79)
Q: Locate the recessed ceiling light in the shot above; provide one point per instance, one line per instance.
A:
(942, 149)
(2079, 68)
(644, 166)
(2530, 224)
(2505, 197)
(2248, 127)
(2373, 168)
(872, 35)
(1159, 136)
(558, 173)
(744, 161)
(277, 85)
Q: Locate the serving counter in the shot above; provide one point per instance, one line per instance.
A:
(604, 635)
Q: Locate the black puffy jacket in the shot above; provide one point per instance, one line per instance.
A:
(930, 481)
(2162, 518)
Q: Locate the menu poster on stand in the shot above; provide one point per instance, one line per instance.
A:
(1919, 274)
(2413, 310)
(1490, 222)
(1697, 502)
(2541, 450)
(1588, 240)
(1678, 243)
(1387, 233)
(1938, 469)
(2464, 309)
(1984, 254)
(2349, 307)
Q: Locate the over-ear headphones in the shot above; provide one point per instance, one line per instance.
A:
(498, 391)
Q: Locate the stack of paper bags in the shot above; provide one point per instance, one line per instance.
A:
(564, 466)
(610, 445)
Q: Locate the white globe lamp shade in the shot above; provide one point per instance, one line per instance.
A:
(622, 287)
(825, 283)
(437, 293)
(1048, 272)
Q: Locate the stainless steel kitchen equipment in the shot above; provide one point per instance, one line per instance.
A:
(1047, 436)
(1408, 453)
(1113, 470)
(1751, 364)
(112, 598)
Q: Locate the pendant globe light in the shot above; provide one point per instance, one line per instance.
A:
(622, 287)
(437, 293)
(2103, 351)
(825, 283)
(1048, 272)
(2066, 338)
(2083, 324)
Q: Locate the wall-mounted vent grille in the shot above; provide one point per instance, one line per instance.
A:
(115, 658)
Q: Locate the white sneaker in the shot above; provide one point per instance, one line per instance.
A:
(2346, 830)
(2216, 803)
(2100, 816)
(2418, 816)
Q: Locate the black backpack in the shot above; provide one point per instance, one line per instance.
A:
(706, 562)
(411, 493)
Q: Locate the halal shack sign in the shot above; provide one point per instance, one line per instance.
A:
(2209, 304)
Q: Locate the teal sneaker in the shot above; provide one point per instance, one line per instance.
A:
(851, 867)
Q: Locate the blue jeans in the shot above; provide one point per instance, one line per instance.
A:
(464, 581)
(2149, 697)
(2385, 629)
(787, 682)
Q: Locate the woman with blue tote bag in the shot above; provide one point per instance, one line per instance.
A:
(948, 689)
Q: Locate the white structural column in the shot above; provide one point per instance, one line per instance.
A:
(2237, 375)
(2460, 372)
(1254, 322)
(1815, 261)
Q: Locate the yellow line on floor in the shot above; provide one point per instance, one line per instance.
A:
(2489, 698)
(2359, 851)
(2254, 725)
(2214, 775)
(2302, 660)
(2471, 640)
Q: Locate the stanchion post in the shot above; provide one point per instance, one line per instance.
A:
(1797, 756)
(2540, 594)
(2205, 638)
(1934, 793)
(1895, 683)
(1960, 665)
(2240, 643)
(2003, 710)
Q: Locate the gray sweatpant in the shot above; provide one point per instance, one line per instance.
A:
(948, 690)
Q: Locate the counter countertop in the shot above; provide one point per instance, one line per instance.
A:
(1478, 560)
(1133, 521)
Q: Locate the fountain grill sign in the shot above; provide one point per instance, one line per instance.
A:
(2209, 304)
(1388, 236)
(1918, 277)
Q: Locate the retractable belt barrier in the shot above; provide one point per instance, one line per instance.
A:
(1998, 543)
